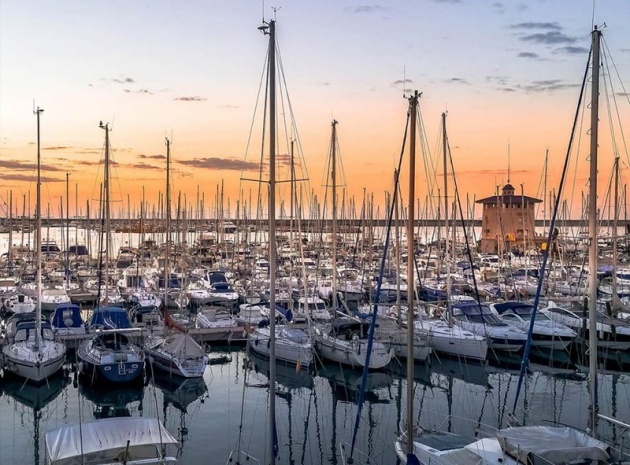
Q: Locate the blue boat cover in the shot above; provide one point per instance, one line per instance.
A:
(67, 316)
(110, 318)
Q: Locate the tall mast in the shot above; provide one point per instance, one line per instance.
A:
(615, 226)
(38, 232)
(446, 221)
(333, 162)
(105, 127)
(168, 218)
(413, 102)
(269, 28)
(592, 232)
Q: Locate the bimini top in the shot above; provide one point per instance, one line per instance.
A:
(67, 445)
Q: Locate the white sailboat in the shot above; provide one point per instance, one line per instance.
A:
(278, 342)
(345, 340)
(34, 353)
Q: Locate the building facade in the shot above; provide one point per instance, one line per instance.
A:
(508, 222)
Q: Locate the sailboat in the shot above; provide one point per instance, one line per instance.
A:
(278, 342)
(34, 353)
(110, 354)
(345, 340)
(446, 337)
(531, 444)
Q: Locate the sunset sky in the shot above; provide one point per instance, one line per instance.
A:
(508, 73)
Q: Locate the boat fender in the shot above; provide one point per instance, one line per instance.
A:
(150, 359)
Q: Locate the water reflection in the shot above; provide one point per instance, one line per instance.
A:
(110, 401)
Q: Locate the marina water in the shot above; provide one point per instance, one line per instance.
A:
(316, 409)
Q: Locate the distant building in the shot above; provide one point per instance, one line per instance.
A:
(508, 222)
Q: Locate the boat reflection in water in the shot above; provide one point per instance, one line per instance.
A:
(346, 382)
(287, 376)
(180, 393)
(36, 398)
(111, 401)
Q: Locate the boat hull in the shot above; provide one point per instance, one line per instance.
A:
(35, 370)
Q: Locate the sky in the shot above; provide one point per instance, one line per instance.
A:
(507, 73)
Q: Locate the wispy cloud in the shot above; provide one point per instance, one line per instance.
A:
(498, 7)
(152, 157)
(529, 55)
(456, 80)
(58, 147)
(18, 165)
(548, 85)
(123, 80)
(368, 8)
(549, 38)
(143, 166)
(399, 82)
(447, 1)
(572, 50)
(27, 178)
(215, 163)
(534, 25)
(193, 98)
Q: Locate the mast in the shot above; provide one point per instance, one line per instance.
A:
(269, 28)
(446, 222)
(615, 226)
(413, 101)
(333, 161)
(38, 240)
(592, 232)
(168, 219)
(105, 127)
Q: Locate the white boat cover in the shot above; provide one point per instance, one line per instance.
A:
(183, 346)
(538, 445)
(67, 445)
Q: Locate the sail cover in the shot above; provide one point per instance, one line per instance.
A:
(539, 445)
(102, 438)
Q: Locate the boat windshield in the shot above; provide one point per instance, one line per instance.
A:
(476, 314)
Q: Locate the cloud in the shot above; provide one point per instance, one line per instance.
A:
(534, 25)
(194, 98)
(152, 157)
(89, 151)
(143, 166)
(368, 8)
(27, 178)
(324, 84)
(399, 82)
(215, 163)
(456, 80)
(549, 38)
(144, 91)
(447, 1)
(528, 55)
(572, 50)
(123, 80)
(60, 147)
(18, 165)
(623, 94)
(88, 162)
(498, 7)
(549, 85)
